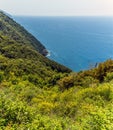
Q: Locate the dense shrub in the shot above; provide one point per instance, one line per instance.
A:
(39, 94)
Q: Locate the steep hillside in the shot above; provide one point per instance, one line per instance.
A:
(13, 30)
(39, 94)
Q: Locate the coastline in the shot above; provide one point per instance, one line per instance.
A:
(45, 52)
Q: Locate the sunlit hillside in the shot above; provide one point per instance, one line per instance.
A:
(39, 94)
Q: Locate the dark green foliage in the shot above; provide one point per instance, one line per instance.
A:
(108, 77)
(22, 59)
(39, 94)
(103, 69)
(1, 76)
(103, 72)
(66, 82)
(13, 30)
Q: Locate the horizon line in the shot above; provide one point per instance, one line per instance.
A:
(62, 15)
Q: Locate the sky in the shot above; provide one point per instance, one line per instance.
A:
(57, 7)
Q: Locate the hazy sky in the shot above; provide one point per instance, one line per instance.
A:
(57, 7)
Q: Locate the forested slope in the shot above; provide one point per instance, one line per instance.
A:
(13, 30)
(39, 94)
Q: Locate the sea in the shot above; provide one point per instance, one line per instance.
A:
(78, 42)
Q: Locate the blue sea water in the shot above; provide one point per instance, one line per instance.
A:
(76, 42)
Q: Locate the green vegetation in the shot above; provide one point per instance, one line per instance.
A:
(39, 94)
(13, 30)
